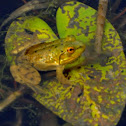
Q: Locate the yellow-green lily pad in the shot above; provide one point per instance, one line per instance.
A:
(24, 29)
(100, 99)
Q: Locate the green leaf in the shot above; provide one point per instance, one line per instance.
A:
(78, 19)
(98, 97)
(23, 30)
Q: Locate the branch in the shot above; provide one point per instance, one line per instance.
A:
(32, 5)
(100, 24)
(116, 5)
(11, 98)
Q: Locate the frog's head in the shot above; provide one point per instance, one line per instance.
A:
(72, 50)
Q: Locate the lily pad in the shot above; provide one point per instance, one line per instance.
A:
(25, 29)
(100, 99)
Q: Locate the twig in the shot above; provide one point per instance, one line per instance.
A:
(11, 98)
(100, 24)
(120, 14)
(24, 1)
(18, 118)
(116, 5)
(34, 4)
(122, 23)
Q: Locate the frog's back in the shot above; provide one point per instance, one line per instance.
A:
(47, 56)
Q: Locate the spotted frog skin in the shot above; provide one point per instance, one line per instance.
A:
(45, 57)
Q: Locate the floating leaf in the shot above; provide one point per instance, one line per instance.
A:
(24, 30)
(100, 98)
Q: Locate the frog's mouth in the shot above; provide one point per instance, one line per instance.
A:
(66, 58)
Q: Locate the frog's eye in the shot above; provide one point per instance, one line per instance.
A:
(70, 49)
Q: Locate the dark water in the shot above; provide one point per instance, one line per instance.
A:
(8, 6)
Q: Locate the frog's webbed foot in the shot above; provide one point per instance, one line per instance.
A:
(26, 74)
(60, 76)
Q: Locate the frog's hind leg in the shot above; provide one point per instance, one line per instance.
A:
(27, 75)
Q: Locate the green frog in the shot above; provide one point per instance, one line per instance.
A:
(44, 57)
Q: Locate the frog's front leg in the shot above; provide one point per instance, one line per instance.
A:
(60, 76)
(27, 75)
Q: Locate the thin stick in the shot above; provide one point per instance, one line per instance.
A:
(24, 1)
(31, 5)
(100, 24)
(116, 5)
(11, 98)
(123, 23)
(118, 16)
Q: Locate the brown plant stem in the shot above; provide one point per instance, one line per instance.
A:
(18, 118)
(116, 5)
(11, 98)
(31, 5)
(118, 16)
(24, 1)
(122, 23)
(102, 8)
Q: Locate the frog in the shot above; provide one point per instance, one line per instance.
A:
(37, 56)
